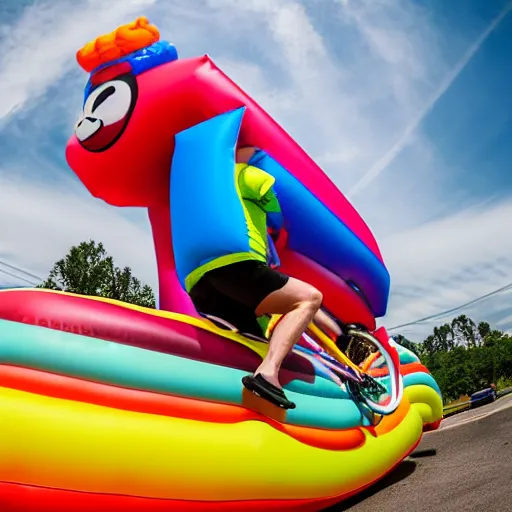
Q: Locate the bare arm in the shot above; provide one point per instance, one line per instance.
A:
(243, 155)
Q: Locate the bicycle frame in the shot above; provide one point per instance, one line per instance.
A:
(341, 365)
(385, 348)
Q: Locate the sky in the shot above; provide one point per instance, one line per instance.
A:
(405, 104)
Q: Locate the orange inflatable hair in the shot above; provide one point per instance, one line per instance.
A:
(122, 41)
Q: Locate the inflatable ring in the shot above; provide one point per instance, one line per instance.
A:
(110, 406)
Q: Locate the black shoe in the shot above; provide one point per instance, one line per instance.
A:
(264, 389)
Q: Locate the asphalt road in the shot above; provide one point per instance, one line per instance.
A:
(465, 466)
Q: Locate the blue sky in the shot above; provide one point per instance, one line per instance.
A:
(405, 104)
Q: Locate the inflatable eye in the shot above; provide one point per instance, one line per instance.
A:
(106, 113)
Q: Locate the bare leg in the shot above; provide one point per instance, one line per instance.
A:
(326, 323)
(298, 302)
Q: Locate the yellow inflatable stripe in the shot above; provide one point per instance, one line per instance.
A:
(71, 445)
(425, 401)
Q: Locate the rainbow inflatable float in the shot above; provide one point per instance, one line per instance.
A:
(108, 406)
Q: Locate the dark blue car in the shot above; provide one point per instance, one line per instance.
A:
(485, 396)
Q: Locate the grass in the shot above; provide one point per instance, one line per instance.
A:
(451, 408)
(503, 383)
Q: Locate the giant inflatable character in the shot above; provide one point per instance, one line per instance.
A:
(109, 406)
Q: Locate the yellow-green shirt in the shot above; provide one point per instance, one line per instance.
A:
(254, 187)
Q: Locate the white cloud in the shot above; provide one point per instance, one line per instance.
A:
(342, 100)
(44, 221)
(384, 161)
(41, 46)
(495, 310)
(346, 87)
(450, 262)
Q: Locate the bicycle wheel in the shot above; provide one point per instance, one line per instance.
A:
(381, 388)
(368, 412)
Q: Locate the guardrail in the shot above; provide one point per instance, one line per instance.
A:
(504, 392)
(450, 410)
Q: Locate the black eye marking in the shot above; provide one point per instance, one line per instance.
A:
(102, 96)
(100, 142)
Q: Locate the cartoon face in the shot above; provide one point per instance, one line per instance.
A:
(106, 113)
(123, 142)
(138, 98)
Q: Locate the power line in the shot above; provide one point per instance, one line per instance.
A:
(17, 269)
(415, 322)
(17, 277)
(448, 311)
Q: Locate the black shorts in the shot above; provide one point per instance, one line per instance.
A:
(233, 292)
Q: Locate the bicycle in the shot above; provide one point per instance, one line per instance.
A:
(363, 387)
(359, 369)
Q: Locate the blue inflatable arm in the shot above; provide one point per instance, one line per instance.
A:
(270, 201)
(275, 220)
(273, 257)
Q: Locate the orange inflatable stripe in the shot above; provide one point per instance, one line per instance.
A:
(122, 41)
(392, 421)
(70, 388)
(405, 369)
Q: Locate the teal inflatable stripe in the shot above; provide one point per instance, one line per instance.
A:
(406, 356)
(123, 365)
(413, 379)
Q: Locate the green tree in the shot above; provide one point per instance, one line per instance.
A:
(465, 331)
(441, 340)
(464, 357)
(483, 329)
(87, 269)
(408, 344)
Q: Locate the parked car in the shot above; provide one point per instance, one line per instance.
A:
(482, 397)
